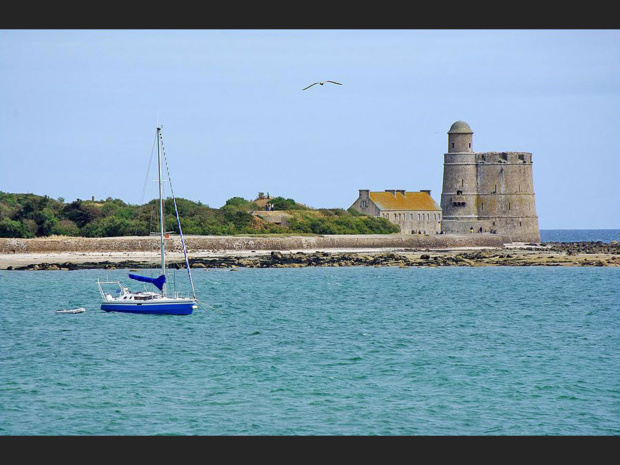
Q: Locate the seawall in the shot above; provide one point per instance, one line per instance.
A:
(250, 243)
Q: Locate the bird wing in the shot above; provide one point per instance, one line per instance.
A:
(309, 86)
(334, 82)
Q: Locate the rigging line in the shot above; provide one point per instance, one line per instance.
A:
(189, 274)
(151, 219)
(148, 171)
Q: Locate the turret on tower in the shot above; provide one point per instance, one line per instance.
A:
(460, 137)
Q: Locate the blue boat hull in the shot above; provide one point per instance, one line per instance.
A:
(167, 308)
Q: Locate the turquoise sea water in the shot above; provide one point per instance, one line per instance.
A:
(580, 235)
(318, 351)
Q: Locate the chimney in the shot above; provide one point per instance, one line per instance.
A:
(391, 191)
(428, 191)
(364, 193)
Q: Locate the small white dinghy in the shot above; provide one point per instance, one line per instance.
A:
(72, 310)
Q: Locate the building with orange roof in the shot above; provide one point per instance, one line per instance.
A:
(414, 212)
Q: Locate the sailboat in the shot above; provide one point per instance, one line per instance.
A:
(160, 301)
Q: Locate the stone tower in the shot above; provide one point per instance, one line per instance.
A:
(489, 192)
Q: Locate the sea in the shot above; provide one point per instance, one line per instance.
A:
(580, 235)
(329, 351)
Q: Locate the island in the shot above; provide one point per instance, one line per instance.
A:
(275, 251)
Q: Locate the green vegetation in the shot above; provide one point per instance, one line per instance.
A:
(30, 215)
(339, 221)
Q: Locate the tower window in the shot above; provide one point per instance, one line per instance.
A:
(452, 144)
(470, 145)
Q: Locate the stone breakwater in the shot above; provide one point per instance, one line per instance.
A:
(225, 244)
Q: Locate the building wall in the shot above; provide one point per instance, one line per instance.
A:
(460, 142)
(415, 222)
(460, 187)
(364, 205)
(497, 194)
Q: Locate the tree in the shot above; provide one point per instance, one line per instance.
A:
(280, 203)
(12, 228)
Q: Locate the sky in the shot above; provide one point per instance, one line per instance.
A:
(79, 110)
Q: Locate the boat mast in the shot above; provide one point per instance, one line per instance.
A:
(161, 209)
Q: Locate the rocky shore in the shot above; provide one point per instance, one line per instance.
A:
(417, 254)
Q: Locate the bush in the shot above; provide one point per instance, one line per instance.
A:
(66, 228)
(12, 228)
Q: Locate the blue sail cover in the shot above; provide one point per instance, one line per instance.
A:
(158, 282)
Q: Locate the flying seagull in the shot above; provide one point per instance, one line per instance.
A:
(321, 83)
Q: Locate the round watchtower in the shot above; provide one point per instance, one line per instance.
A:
(459, 192)
(460, 138)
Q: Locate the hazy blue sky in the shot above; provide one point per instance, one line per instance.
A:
(78, 111)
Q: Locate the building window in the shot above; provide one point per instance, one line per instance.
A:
(411, 216)
(428, 216)
(364, 204)
(418, 217)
